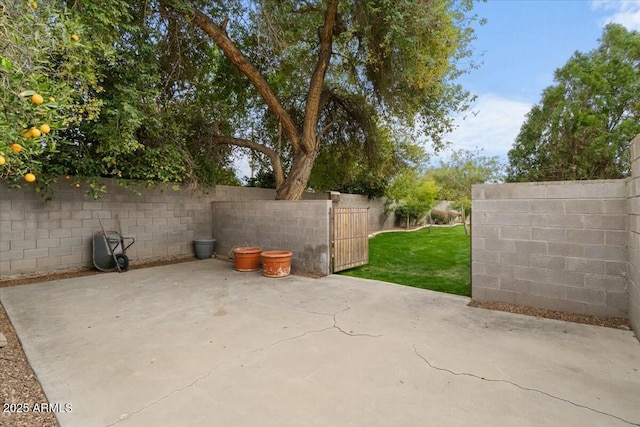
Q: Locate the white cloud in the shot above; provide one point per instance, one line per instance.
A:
(492, 127)
(623, 12)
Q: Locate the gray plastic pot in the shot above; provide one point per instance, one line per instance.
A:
(204, 248)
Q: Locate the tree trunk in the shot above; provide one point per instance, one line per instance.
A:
(464, 220)
(303, 144)
(296, 181)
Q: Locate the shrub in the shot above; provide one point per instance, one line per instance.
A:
(408, 213)
(443, 217)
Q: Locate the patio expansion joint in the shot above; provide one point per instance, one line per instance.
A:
(528, 389)
(334, 315)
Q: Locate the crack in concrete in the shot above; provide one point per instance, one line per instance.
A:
(166, 396)
(270, 346)
(533, 390)
(351, 334)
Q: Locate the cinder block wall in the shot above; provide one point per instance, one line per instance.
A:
(633, 243)
(38, 236)
(235, 194)
(301, 227)
(379, 217)
(556, 245)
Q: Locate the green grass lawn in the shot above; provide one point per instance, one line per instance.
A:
(439, 260)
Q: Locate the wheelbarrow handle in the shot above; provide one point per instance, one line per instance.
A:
(106, 238)
(133, 240)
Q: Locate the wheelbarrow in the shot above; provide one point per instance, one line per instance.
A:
(110, 250)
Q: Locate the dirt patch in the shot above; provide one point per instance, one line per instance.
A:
(80, 272)
(20, 392)
(607, 322)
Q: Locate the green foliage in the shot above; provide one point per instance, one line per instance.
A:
(144, 94)
(263, 179)
(462, 170)
(39, 56)
(361, 160)
(413, 195)
(438, 259)
(409, 52)
(584, 124)
(157, 116)
(129, 99)
(391, 66)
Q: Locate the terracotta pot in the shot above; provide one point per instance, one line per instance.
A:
(276, 263)
(247, 258)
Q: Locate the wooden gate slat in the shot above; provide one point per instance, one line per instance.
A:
(350, 238)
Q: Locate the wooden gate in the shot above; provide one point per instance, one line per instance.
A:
(350, 245)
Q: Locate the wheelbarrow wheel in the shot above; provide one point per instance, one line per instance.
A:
(123, 262)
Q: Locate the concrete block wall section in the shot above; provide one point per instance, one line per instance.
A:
(379, 217)
(633, 242)
(40, 236)
(237, 194)
(557, 245)
(299, 226)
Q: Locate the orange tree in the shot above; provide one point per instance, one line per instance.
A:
(48, 84)
(82, 96)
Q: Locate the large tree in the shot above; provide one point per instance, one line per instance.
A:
(333, 70)
(584, 124)
(160, 90)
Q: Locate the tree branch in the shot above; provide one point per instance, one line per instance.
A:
(237, 58)
(314, 96)
(278, 171)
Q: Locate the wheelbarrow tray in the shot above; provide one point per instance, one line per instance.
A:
(109, 251)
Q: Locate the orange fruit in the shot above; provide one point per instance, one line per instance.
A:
(75, 38)
(67, 177)
(45, 128)
(29, 177)
(2, 160)
(52, 99)
(35, 132)
(37, 99)
(26, 133)
(16, 148)
(77, 185)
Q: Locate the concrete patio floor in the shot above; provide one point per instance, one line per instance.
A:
(198, 344)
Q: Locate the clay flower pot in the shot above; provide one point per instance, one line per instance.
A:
(276, 263)
(247, 258)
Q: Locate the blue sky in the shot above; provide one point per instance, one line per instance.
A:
(523, 43)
